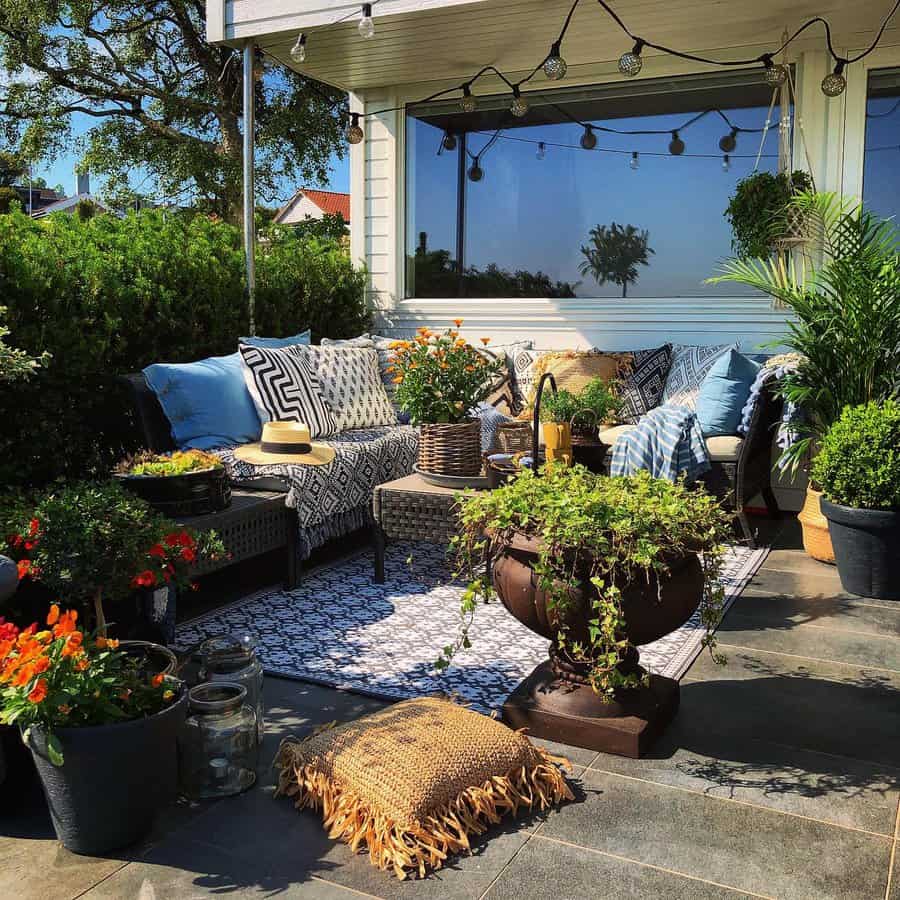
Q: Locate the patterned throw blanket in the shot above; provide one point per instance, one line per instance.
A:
(336, 499)
(667, 443)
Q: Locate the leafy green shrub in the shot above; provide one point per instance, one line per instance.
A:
(560, 407)
(859, 461)
(108, 296)
(599, 396)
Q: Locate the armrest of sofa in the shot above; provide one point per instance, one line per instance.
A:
(154, 429)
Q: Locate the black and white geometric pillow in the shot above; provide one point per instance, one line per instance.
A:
(351, 384)
(523, 375)
(642, 389)
(285, 388)
(690, 365)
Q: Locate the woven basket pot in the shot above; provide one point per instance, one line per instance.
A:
(816, 536)
(451, 449)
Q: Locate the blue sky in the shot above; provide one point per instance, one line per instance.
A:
(62, 171)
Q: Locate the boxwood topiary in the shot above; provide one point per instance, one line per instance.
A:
(859, 461)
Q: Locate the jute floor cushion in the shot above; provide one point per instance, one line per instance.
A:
(412, 782)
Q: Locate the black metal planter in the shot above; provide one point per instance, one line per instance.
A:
(114, 780)
(866, 549)
(189, 494)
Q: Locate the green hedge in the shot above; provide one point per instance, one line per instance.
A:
(106, 296)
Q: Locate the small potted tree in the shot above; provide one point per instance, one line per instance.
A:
(101, 730)
(440, 380)
(599, 566)
(858, 468)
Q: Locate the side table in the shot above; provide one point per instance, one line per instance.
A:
(411, 509)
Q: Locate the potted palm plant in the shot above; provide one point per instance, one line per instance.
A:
(440, 380)
(858, 468)
(844, 324)
(102, 731)
(599, 566)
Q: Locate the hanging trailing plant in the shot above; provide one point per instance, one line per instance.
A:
(758, 211)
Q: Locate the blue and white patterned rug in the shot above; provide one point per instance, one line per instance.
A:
(341, 629)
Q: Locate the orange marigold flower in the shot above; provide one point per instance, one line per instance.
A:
(66, 623)
(39, 692)
(73, 643)
(485, 341)
(41, 665)
(397, 379)
(458, 322)
(157, 680)
(83, 664)
(53, 615)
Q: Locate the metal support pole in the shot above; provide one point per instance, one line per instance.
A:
(248, 183)
(461, 215)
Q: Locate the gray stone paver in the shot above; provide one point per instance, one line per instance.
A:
(779, 778)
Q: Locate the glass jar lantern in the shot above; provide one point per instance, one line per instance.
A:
(218, 747)
(233, 659)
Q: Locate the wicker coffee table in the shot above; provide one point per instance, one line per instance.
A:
(411, 509)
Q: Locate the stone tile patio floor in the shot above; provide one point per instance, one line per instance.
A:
(779, 778)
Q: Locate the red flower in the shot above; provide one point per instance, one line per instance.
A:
(144, 579)
(158, 550)
(24, 567)
(188, 554)
(173, 539)
(157, 680)
(8, 631)
(39, 692)
(33, 527)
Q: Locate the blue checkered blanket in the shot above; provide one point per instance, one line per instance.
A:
(667, 443)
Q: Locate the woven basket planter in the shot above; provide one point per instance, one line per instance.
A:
(514, 437)
(451, 449)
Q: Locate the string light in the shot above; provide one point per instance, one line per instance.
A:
(354, 133)
(555, 67)
(468, 103)
(449, 141)
(298, 51)
(634, 161)
(519, 105)
(366, 25)
(476, 173)
(726, 163)
(541, 150)
(588, 139)
(676, 145)
(631, 63)
(728, 142)
(835, 84)
(773, 75)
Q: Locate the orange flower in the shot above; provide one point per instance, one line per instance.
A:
(105, 643)
(73, 644)
(458, 322)
(23, 676)
(397, 379)
(6, 647)
(125, 694)
(24, 568)
(41, 665)
(83, 664)
(39, 692)
(53, 615)
(485, 341)
(157, 680)
(66, 623)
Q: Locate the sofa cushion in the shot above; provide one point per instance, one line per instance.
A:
(273, 343)
(642, 388)
(206, 402)
(284, 388)
(689, 367)
(352, 386)
(724, 392)
(610, 434)
(724, 447)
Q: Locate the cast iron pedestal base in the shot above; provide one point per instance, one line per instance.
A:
(570, 713)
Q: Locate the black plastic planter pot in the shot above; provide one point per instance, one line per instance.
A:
(114, 780)
(866, 549)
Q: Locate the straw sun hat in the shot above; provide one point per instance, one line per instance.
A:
(285, 442)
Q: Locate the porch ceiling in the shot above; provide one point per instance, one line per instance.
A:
(441, 42)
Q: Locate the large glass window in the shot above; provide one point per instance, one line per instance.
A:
(501, 206)
(881, 172)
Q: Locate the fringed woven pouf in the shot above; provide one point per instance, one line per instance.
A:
(414, 781)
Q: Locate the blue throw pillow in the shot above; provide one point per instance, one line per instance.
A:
(724, 392)
(268, 343)
(206, 402)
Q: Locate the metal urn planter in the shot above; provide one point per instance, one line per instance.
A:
(556, 701)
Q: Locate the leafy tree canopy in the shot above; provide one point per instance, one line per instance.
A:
(613, 254)
(165, 103)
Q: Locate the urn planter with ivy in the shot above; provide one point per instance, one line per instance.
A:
(598, 566)
(858, 467)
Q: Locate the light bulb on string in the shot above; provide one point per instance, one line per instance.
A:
(519, 105)
(476, 173)
(774, 74)
(630, 63)
(468, 103)
(366, 26)
(726, 163)
(835, 84)
(555, 67)
(588, 139)
(298, 51)
(728, 142)
(449, 141)
(635, 161)
(541, 150)
(354, 133)
(676, 145)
